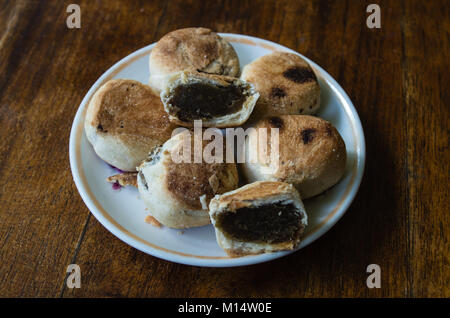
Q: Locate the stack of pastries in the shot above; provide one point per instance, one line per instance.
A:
(254, 206)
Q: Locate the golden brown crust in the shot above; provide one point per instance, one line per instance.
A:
(244, 196)
(131, 112)
(286, 83)
(197, 49)
(235, 253)
(124, 179)
(222, 80)
(187, 182)
(240, 252)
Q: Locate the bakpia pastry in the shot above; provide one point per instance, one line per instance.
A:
(287, 85)
(258, 218)
(219, 101)
(191, 49)
(312, 154)
(124, 121)
(177, 193)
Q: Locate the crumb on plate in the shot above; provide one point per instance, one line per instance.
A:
(151, 220)
(123, 179)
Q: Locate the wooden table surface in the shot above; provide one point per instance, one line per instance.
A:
(396, 76)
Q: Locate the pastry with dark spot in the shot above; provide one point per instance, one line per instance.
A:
(312, 154)
(300, 75)
(276, 122)
(308, 135)
(177, 190)
(125, 120)
(258, 218)
(278, 92)
(287, 85)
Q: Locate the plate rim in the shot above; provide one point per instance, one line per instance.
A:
(196, 260)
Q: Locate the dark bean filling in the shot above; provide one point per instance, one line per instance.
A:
(204, 101)
(272, 223)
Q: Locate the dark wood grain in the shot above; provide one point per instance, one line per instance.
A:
(426, 96)
(397, 77)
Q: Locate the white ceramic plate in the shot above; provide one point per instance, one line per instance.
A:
(122, 212)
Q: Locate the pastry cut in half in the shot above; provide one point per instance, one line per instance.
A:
(218, 101)
(124, 121)
(191, 49)
(177, 192)
(257, 218)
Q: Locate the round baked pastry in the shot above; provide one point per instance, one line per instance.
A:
(257, 218)
(311, 154)
(124, 121)
(192, 49)
(177, 193)
(286, 83)
(219, 101)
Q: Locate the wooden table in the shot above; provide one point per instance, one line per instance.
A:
(397, 77)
